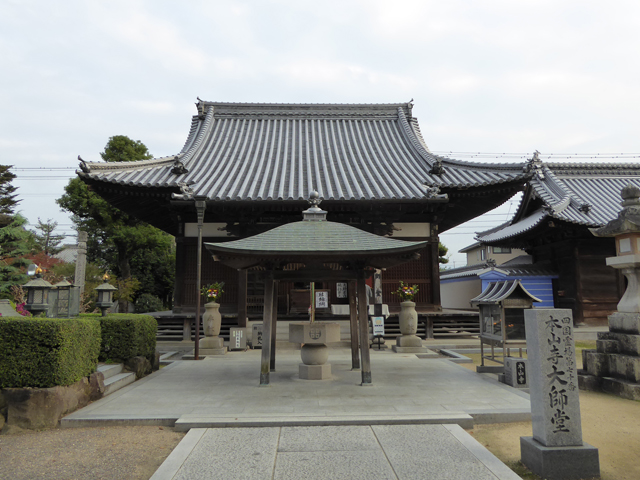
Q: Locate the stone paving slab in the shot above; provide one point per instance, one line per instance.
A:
(404, 388)
(186, 422)
(399, 452)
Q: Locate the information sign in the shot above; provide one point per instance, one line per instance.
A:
(378, 325)
(322, 299)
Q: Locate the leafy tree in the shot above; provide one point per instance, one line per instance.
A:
(442, 253)
(15, 243)
(46, 240)
(121, 148)
(115, 238)
(7, 196)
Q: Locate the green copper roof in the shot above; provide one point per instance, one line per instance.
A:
(319, 237)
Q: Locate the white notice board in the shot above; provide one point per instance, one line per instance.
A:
(378, 325)
(322, 299)
(341, 290)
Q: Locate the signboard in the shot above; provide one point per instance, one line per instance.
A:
(237, 339)
(322, 299)
(341, 290)
(256, 339)
(378, 325)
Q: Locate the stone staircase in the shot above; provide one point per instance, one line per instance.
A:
(114, 377)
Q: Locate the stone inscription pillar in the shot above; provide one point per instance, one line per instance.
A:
(81, 261)
(556, 450)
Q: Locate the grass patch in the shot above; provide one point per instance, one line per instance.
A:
(522, 471)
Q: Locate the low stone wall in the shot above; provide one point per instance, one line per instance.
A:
(37, 408)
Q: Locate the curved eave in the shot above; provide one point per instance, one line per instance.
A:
(329, 254)
(497, 291)
(275, 260)
(513, 230)
(149, 204)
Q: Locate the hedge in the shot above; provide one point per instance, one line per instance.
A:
(43, 353)
(127, 335)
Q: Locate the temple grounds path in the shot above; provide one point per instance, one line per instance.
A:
(114, 452)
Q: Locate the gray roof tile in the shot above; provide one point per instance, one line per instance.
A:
(284, 151)
(582, 194)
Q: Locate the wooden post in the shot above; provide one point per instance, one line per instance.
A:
(435, 268)
(186, 329)
(267, 326)
(363, 320)
(429, 326)
(353, 325)
(274, 327)
(242, 298)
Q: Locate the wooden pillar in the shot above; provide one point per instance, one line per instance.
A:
(363, 320)
(267, 326)
(429, 326)
(435, 268)
(353, 325)
(242, 298)
(274, 327)
(186, 329)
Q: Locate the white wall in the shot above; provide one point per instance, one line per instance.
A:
(458, 294)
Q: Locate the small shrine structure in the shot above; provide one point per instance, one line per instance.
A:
(315, 249)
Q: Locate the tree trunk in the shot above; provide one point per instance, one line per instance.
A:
(125, 274)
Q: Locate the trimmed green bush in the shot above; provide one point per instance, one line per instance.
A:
(148, 303)
(47, 352)
(127, 335)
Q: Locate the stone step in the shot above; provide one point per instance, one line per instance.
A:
(165, 358)
(118, 381)
(109, 369)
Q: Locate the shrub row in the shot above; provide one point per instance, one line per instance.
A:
(47, 352)
(43, 353)
(125, 336)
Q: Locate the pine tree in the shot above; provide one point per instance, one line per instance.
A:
(15, 243)
(7, 196)
(46, 240)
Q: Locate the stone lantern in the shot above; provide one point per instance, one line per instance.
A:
(614, 366)
(37, 294)
(626, 230)
(105, 295)
(65, 299)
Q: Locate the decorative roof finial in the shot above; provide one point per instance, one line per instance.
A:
(314, 213)
(534, 165)
(314, 198)
(83, 165)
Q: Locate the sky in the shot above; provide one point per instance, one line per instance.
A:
(492, 81)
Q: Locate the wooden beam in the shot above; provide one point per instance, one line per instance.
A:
(316, 275)
(267, 326)
(274, 321)
(353, 325)
(363, 320)
(242, 298)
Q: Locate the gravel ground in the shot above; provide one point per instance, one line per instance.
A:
(105, 453)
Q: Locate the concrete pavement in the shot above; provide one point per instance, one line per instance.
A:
(408, 425)
(394, 452)
(224, 391)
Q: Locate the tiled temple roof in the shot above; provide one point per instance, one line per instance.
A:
(252, 151)
(576, 193)
(516, 267)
